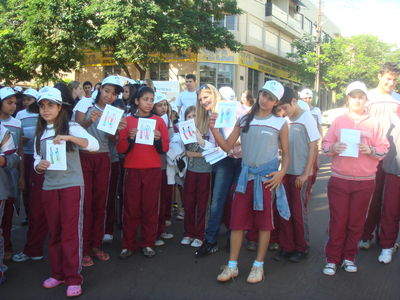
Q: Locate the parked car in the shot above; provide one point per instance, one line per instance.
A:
(329, 115)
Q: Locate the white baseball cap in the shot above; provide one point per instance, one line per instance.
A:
(174, 107)
(18, 88)
(227, 93)
(303, 105)
(356, 86)
(158, 97)
(306, 93)
(6, 92)
(114, 80)
(31, 93)
(51, 94)
(274, 87)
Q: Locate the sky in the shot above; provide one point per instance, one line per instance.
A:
(377, 17)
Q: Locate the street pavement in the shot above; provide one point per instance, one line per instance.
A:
(176, 274)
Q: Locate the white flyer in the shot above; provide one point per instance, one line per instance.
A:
(214, 155)
(56, 154)
(145, 133)
(187, 131)
(226, 114)
(352, 139)
(110, 118)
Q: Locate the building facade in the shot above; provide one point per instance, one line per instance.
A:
(266, 30)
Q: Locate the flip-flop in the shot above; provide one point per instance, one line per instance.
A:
(51, 282)
(74, 291)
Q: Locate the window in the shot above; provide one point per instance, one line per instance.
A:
(271, 39)
(218, 75)
(111, 70)
(252, 83)
(229, 22)
(159, 71)
(286, 47)
(255, 31)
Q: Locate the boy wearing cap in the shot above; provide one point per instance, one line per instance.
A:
(384, 105)
(187, 98)
(8, 105)
(303, 138)
(353, 178)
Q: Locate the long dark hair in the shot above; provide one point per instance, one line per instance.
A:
(139, 93)
(61, 124)
(33, 108)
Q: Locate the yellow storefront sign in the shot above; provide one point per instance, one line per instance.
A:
(222, 56)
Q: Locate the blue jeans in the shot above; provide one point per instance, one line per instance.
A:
(226, 173)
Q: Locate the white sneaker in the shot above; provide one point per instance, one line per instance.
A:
(20, 257)
(168, 223)
(364, 245)
(186, 240)
(180, 216)
(329, 269)
(196, 243)
(166, 236)
(349, 266)
(227, 274)
(256, 275)
(108, 238)
(386, 255)
(159, 243)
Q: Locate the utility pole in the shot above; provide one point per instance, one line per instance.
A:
(318, 51)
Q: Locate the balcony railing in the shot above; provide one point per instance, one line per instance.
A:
(271, 10)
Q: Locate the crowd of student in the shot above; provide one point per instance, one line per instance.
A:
(260, 190)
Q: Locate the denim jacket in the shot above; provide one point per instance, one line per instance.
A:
(271, 166)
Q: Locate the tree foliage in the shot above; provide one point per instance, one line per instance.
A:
(41, 38)
(343, 60)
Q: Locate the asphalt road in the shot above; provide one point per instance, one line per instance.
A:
(176, 274)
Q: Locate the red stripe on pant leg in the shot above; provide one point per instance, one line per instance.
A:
(6, 224)
(189, 197)
(51, 204)
(71, 232)
(202, 196)
(338, 197)
(37, 229)
(112, 198)
(375, 207)
(151, 182)
(132, 208)
(390, 218)
(358, 207)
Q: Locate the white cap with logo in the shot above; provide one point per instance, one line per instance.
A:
(227, 93)
(158, 97)
(115, 80)
(306, 93)
(356, 86)
(31, 93)
(6, 92)
(51, 94)
(274, 87)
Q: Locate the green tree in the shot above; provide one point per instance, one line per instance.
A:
(343, 60)
(143, 32)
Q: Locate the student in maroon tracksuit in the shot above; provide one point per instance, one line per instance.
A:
(62, 190)
(142, 177)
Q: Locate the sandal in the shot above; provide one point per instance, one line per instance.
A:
(87, 261)
(74, 291)
(51, 282)
(100, 254)
(148, 252)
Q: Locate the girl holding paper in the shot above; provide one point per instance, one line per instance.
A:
(62, 195)
(262, 134)
(96, 172)
(161, 108)
(142, 177)
(196, 188)
(8, 105)
(353, 178)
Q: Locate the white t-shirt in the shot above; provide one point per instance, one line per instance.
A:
(185, 99)
(316, 112)
(82, 106)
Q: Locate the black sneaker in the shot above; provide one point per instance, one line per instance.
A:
(206, 249)
(298, 256)
(281, 255)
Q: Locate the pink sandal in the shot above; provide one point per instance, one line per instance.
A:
(101, 255)
(74, 291)
(87, 261)
(51, 282)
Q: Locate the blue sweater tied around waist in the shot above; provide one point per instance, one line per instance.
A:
(259, 172)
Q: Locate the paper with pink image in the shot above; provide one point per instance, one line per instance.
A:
(187, 131)
(145, 131)
(226, 114)
(110, 118)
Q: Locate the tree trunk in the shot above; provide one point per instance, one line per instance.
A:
(141, 70)
(125, 68)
